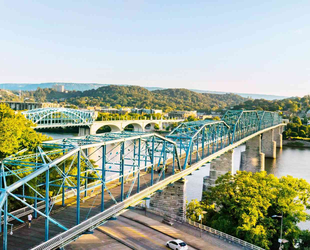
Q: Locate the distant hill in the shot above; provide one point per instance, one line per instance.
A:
(34, 86)
(134, 96)
(253, 96)
(7, 95)
(89, 86)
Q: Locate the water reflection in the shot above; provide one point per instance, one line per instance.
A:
(290, 161)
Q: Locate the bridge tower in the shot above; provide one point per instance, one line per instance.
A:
(253, 159)
(269, 145)
(218, 167)
(171, 200)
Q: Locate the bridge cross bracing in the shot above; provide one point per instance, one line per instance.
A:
(117, 169)
(59, 117)
(44, 118)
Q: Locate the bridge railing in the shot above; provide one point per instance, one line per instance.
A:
(24, 211)
(139, 118)
(205, 228)
(223, 235)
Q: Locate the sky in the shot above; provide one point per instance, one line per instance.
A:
(260, 47)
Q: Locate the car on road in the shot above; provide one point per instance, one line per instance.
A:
(177, 244)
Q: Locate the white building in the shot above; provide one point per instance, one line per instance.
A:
(59, 88)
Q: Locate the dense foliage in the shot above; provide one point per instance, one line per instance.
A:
(243, 205)
(134, 96)
(16, 132)
(297, 128)
(6, 95)
(290, 105)
(128, 116)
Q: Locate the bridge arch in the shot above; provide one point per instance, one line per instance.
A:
(134, 127)
(151, 126)
(108, 128)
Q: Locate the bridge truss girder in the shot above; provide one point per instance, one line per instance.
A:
(59, 117)
(72, 164)
(245, 122)
(59, 165)
(203, 137)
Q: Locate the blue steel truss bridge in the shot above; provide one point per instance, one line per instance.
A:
(59, 117)
(74, 185)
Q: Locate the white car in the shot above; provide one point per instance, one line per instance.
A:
(177, 244)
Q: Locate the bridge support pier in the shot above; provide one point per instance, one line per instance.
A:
(252, 159)
(84, 131)
(171, 200)
(269, 145)
(278, 136)
(218, 167)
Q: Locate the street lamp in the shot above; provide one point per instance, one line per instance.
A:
(281, 240)
(200, 218)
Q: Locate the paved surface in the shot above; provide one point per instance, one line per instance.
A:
(97, 240)
(146, 232)
(26, 238)
(211, 241)
(187, 234)
(135, 234)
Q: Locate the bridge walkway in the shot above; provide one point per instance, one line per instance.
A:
(26, 238)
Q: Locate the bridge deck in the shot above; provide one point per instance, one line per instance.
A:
(26, 238)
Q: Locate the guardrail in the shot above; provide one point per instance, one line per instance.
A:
(223, 235)
(211, 230)
(139, 119)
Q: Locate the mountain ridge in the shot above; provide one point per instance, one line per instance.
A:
(88, 86)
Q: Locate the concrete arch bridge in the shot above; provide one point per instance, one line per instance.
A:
(121, 125)
(85, 120)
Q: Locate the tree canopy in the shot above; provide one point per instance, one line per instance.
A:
(243, 205)
(134, 96)
(16, 132)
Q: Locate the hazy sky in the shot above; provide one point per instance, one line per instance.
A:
(236, 46)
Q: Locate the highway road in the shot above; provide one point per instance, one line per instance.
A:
(127, 231)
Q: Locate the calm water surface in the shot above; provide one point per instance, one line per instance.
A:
(290, 161)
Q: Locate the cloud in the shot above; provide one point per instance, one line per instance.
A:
(298, 31)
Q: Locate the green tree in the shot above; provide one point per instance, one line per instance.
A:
(16, 132)
(293, 108)
(194, 209)
(156, 126)
(191, 118)
(302, 133)
(297, 120)
(244, 204)
(304, 239)
(294, 134)
(305, 120)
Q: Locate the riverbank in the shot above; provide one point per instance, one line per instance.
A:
(296, 143)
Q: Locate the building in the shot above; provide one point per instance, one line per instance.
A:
(59, 88)
(109, 110)
(203, 117)
(31, 105)
(146, 111)
(182, 114)
(123, 111)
